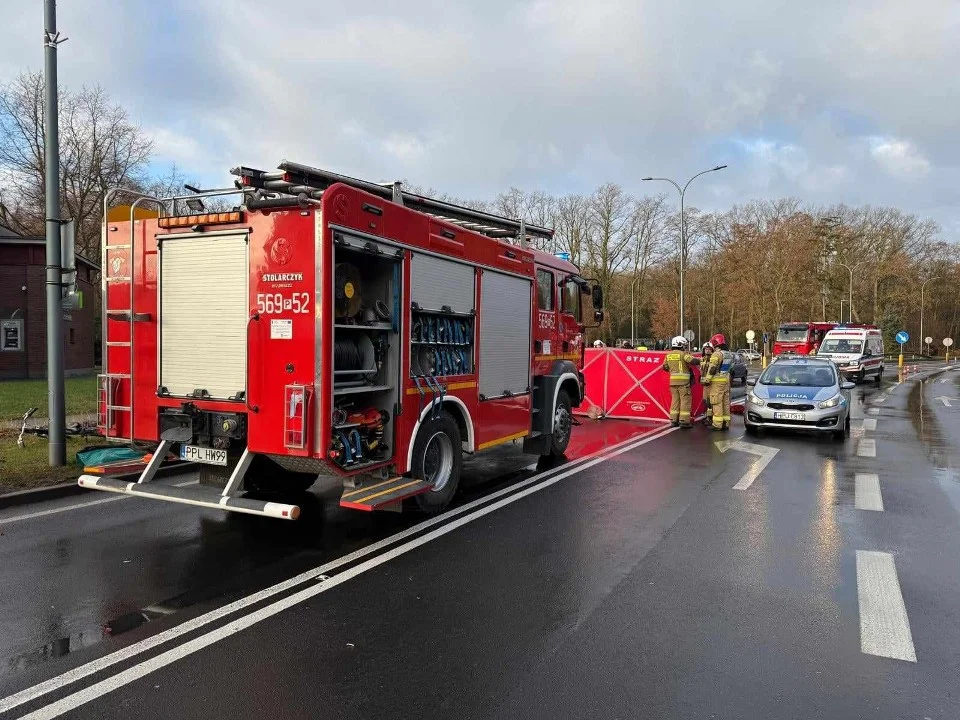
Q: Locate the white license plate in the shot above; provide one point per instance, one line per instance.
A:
(203, 455)
(789, 416)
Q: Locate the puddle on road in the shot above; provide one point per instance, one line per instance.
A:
(51, 651)
(925, 422)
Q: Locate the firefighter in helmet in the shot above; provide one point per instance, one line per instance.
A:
(707, 351)
(718, 372)
(678, 363)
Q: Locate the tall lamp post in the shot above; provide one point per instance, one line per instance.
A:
(683, 228)
(922, 286)
(850, 270)
(633, 339)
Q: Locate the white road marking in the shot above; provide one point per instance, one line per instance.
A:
(77, 506)
(880, 399)
(870, 424)
(884, 625)
(873, 411)
(946, 401)
(867, 492)
(107, 685)
(944, 380)
(867, 448)
(765, 453)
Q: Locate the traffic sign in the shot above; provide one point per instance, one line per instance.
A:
(928, 340)
(765, 337)
(750, 336)
(689, 335)
(902, 337)
(947, 342)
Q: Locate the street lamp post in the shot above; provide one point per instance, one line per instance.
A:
(683, 228)
(922, 286)
(633, 339)
(842, 301)
(850, 270)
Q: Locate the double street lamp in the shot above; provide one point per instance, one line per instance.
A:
(683, 229)
(850, 270)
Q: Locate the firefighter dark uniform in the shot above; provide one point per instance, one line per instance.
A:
(678, 363)
(718, 372)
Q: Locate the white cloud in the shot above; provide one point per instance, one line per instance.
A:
(475, 96)
(899, 157)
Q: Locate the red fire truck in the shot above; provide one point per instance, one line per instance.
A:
(329, 325)
(800, 338)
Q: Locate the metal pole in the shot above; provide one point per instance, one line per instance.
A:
(633, 338)
(51, 145)
(683, 254)
(850, 308)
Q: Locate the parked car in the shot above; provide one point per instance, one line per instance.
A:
(799, 393)
(749, 354)
(738, 370)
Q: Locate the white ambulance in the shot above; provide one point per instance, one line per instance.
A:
(857, 351)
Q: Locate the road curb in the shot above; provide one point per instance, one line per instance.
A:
(71, 489)
(35, 495)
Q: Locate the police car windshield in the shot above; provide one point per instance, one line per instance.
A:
(841, 346)
(799, 375)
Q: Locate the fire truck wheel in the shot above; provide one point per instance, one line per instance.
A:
(437, 459)
(562, 424)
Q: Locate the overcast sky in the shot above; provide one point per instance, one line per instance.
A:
(851, 101)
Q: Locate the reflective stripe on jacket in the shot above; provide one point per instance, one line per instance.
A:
(719, 369)
(678, 365)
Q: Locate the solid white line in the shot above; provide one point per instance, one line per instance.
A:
(873, 411)
(149, 643)
(867, 448)
(870, 424)
(77, 506)
(867, 492)
(884, 625)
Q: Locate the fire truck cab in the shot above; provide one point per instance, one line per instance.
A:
(332, 326)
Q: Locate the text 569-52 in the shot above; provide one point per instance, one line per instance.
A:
(275, 303)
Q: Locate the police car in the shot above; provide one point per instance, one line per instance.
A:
(799, 393)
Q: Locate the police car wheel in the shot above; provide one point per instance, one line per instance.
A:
(841, 435)
(751, 429)
(861, 376)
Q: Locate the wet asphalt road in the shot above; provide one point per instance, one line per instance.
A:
(639, 584)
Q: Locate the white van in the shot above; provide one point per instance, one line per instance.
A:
(857, 351)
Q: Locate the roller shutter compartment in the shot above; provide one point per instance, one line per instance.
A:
(504, 334)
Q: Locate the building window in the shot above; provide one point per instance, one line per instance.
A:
(71, 336)
(544, 290)
(11, 335)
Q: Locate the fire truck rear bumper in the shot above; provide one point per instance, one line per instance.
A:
(201, 497)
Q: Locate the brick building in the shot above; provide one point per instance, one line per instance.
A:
(23, 311)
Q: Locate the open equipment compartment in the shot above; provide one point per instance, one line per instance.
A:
(365, 352)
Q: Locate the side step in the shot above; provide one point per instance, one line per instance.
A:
(379, 495)
(202, 497)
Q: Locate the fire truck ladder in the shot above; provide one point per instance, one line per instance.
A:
(295, 184)
(109, 383)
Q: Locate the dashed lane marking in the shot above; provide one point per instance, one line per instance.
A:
(867, 492)
(867, 448)
(882, 398)
(870, 424)
(884, 625)
(873, 411)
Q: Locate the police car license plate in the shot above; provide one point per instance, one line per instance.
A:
(789, 416)
(210, 456)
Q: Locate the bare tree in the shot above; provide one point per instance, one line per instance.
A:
(99, 148)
